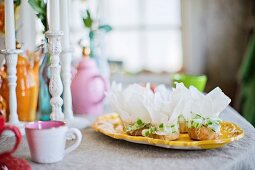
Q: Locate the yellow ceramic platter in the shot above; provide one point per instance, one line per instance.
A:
(110, 125)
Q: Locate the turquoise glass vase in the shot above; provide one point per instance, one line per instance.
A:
(44, 94)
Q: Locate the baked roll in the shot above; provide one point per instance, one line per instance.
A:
(200, 128)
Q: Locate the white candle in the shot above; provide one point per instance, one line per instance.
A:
(54, 14)
(9, 25)
(28, 29)
(64, 21)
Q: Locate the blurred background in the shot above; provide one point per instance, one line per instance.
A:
(150, 40)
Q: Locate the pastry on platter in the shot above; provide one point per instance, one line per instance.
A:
(204, 122)
(182, 106)
(160, 107)
(163, 131)
(198, 114)
(182, 124)
(128, 103)
(200, 128)
(144, 112)
(135, 128)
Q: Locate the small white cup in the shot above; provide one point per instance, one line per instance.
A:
(47, 140)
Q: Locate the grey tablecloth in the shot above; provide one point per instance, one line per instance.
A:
(101, 152)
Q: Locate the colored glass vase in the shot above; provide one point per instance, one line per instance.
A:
(26, 89)
(44, 94)
(2, 101)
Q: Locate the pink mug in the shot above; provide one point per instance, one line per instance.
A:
(16, 132)
(47, 140)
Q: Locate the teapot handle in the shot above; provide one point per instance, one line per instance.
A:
(105, 87)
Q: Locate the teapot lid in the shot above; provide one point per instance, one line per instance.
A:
(85, 52)
(86, 61)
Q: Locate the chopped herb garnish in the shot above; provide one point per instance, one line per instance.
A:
(198, 121)
(145, 132)
(149, 132)
(139, 122)
(209, 123)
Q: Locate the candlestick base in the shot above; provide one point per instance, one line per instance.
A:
(78, 122)
(11, 51)
(11, 61)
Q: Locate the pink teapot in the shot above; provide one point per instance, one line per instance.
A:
(88, 87)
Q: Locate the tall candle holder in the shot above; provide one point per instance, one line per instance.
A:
(72, 121)
(11, 62)
(55, 86)
(65, 60)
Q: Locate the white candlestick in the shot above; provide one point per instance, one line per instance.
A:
(53, 5)
(9, 25)
(10, 54)
(28, 27)
(11, 59)
(64, 21)
(55, 86)
(11, 62)
(54, 37)
(66, 58)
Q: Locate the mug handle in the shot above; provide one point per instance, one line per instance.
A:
(78, 135)
(105, 87)
(18, 136)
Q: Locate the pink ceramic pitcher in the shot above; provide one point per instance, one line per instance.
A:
(88, 88)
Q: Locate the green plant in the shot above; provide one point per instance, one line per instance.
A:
(247, 90)
(89, 23)
(40, 7)
(17, 2)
